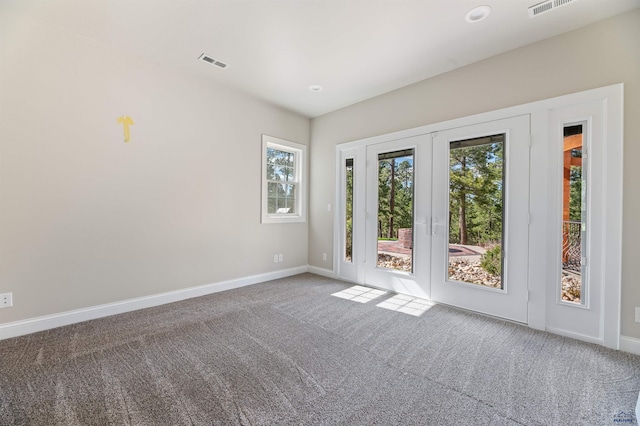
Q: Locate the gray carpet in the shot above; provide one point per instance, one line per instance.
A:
(286, 352)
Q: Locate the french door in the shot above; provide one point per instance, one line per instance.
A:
(475, 213)
(436, 203)
(480, 214)
(398, 198)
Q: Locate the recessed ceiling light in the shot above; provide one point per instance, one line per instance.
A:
(315, 88)
(477, 14)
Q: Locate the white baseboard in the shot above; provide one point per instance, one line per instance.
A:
(630, 344)
(321, 271)
(627, 344)
(32, 325)
(47, 322)
(576, 336)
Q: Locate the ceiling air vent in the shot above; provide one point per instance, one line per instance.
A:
(547, 6)
(212, 61)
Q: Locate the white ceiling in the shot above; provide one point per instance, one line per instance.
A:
(354, 49)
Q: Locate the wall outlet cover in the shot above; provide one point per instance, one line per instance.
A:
(6, 300)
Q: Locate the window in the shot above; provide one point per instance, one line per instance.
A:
(574, 214)
(348, 211)
(283, 186)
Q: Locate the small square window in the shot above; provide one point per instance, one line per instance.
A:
(283, 183)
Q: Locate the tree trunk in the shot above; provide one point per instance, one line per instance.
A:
(463, 218)
(392, 196)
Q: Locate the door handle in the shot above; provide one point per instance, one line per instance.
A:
(425, 222)
(434, 226)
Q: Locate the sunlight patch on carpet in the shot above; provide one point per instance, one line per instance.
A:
(398, 302)
(360, 294)
(406, 304)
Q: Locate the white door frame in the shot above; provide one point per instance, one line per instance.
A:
(415, 283)
(350, 271)
(540, 111)
(579, 320)
(510, 302)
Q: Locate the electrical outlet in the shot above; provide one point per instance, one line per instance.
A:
(637, 314)
(275, 258)
(6, 300)
(324, 257)
(280, 257)
(329, 207)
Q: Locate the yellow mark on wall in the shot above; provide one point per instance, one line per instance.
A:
(126, 121)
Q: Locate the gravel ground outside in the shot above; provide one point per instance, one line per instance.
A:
(471, 272)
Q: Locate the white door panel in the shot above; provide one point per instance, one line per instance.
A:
(414, 281)
(580, 318)
(509, 137)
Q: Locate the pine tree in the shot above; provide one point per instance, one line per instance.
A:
(475, 185)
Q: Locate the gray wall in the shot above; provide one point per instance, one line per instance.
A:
(601, 54)
(86, 219)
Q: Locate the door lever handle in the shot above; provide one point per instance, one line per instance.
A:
(425, 222)
(434, 226)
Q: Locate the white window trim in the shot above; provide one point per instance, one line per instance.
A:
(300, 165)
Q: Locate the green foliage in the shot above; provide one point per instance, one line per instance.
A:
(280, 172)
(395, 195)
(475, 193)
(491, 260)
(349, 214)
(348, 250)
(575, 194)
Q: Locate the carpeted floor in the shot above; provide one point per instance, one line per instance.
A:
(287, 352)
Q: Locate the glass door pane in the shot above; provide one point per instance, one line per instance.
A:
(476, 210)
(574, 216)
(395, 210)
(348, 225)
